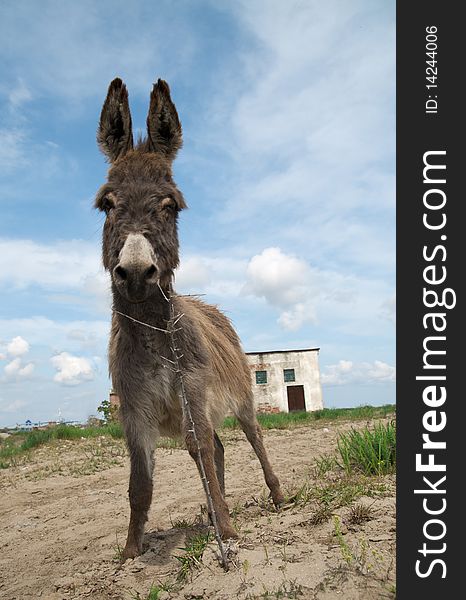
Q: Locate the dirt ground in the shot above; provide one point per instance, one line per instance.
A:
(64, 514)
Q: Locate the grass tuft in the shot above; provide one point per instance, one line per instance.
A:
(321, 515)
(372, 452)
(360, 513)
(192, 557)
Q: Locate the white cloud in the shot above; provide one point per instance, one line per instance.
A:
(26, 370)
(303, 294)
(12, 406)
(16, 349)
(18, 346)
(63, 264)
(73, 266)
(15, 368)
(59, 335)
(12, 367)
(280, 278)
(284, 281)
(192, 273)
(72, 370)
(380, 371)
(297, 316)
(219, 276)
(299, 293)
(345, 371)
(19, 94)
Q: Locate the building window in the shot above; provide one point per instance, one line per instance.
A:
(261, 376)
(288, 375)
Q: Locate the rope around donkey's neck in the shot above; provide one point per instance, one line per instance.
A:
(171, 331)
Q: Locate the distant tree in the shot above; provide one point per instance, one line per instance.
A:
(108, 411)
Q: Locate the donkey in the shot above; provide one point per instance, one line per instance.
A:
(140, 250)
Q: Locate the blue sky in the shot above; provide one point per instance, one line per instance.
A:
(288, 168)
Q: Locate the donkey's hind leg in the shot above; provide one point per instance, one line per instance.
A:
(248, 421)
(219, 462)
(205, 435)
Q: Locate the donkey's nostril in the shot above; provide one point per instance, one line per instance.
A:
(120, 273)
(152, 270)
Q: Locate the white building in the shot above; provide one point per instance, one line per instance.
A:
(286, 380)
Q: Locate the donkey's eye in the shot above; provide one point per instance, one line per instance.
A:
(168, 204)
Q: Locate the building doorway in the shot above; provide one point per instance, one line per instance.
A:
(295, 397)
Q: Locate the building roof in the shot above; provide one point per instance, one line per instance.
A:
(284, 351)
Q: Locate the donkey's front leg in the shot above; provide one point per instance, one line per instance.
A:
(205, 437)
(140, 492)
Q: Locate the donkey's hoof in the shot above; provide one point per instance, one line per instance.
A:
(228, 533)
(278, 499)
(129, 552)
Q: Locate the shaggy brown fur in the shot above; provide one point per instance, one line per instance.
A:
(140, 249)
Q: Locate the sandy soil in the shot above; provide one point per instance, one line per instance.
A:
(64, 511)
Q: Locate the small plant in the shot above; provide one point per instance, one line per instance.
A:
(301, 496)
(183, 523)
(335, 494)
(155, 591)
(361, 557)
(359, 513)
(344, 548)
(118, 550)
(323, 464)
(321, 515)
(192, 557)
(345, 490)
(264, 501)
(244, 577)
(372, 452)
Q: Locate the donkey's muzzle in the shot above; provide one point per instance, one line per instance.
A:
(136, 274)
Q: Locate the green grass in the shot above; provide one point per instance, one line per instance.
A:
(192, 557)
(154, 592)
(370, 451)
(293, 419)
(337, 493)
(21, 442)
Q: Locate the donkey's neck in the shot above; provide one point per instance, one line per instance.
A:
(155, 311)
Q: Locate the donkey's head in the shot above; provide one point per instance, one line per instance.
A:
(140, 198)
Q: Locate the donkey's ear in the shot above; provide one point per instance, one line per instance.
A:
(114, 135)
(163, 124)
